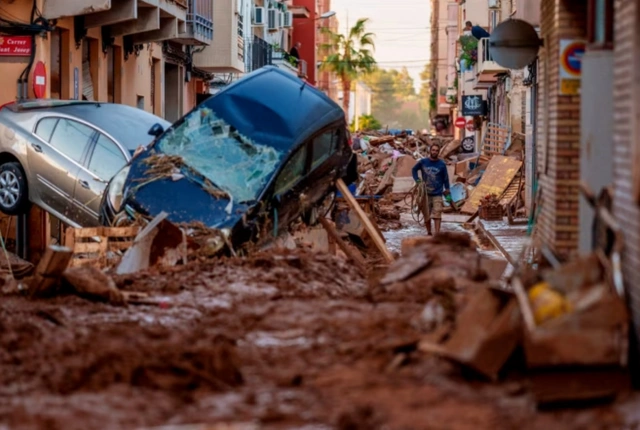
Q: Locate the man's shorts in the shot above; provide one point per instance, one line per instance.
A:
(434, 210)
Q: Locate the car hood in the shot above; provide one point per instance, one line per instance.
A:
(184, 200)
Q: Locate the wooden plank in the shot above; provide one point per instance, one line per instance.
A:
(49, 270)
(86, 232)
(90, 247)
(497, 244)
(498, 175)
(373, 232)
(352, 253)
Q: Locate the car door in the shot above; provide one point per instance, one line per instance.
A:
(287, 200)
(55, 157)
(106, 159)
(323, 163)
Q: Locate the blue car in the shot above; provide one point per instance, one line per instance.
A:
(248, 161)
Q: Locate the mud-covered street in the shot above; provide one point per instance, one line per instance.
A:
(284, 340)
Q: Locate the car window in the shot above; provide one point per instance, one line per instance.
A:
(45, 128)
(292, 171)
(323, 147)
(71, 138)
(107, 158)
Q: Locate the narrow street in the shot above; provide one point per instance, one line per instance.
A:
(276, 341)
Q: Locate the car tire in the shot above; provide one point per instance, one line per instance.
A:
(14, 196)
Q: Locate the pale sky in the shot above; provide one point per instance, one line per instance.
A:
(402, 29)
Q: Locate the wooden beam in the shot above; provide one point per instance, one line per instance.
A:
(39, 233)
(49, 270)
(168, 30)
(148, 20)
(497, 244)
(124, 10)
(368, 225)
(352, 253)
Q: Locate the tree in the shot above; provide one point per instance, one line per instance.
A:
(384, 101)
(366, 122)
(403, 83)
(351, 56)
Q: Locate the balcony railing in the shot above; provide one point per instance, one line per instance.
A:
(199, 23)
(485, 69)
(261, 53)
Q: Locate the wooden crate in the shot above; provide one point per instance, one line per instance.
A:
(491, 213)
(99, 245)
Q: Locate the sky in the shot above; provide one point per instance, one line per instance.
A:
(402, 29)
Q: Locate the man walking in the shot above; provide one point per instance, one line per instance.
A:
(435, 183)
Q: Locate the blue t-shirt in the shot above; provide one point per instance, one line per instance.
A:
(434, 175)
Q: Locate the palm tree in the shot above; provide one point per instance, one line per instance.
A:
(349, 57)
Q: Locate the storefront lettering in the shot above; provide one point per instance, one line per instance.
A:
(16, 46)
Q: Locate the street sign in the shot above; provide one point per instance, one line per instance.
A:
(15, 46)
(571, 52)
(40, 80)
(471, 126)
(460, 122)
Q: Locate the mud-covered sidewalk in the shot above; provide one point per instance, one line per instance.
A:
(278, 341)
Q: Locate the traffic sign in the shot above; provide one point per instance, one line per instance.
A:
(40, 80)
(471, 126)
(460, 122)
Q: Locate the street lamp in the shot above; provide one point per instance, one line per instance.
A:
(327, 14)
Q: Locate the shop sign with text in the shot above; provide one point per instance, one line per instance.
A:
(15, 46)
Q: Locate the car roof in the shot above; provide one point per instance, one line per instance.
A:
(274, 107)
(128, 125)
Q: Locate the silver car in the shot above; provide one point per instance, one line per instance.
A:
(60, 155)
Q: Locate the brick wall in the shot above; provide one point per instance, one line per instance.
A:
(558, 130)
(626, 210)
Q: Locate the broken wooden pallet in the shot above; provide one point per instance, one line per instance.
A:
(98, 245)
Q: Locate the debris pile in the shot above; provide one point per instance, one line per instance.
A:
(385, 163)
(569, 322)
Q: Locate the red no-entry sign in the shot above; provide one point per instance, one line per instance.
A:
(40, 80)
(460, 122)
(471, 126)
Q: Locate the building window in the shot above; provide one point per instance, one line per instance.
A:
(600, 18)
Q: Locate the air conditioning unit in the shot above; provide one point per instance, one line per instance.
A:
(494, 4)
(272, 19)
(258, 16)
(288, 19)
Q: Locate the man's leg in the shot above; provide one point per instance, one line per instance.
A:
(436, 212)
(426, 212)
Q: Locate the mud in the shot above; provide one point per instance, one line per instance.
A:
(286, 340)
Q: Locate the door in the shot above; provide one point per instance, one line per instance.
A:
(55, 157)
(106, 160)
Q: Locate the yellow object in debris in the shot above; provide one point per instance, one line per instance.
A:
(547, 303)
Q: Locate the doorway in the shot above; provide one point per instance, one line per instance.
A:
(114, 76)
(172, 92)
(59, 60)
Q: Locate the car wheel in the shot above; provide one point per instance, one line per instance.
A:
(14, 199)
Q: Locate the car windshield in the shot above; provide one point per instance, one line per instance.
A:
(231, 161)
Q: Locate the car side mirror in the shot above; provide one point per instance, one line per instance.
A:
(156, 130)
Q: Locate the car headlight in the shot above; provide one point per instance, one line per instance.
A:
(116, 188)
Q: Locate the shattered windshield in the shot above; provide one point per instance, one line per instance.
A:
(231, 161)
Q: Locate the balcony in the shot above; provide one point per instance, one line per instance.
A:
(486, 70)
(198, 28)
(262, 53)
(226, 53)
(185, 21)
(283, 60)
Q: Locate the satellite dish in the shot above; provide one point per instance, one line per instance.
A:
(514, 44)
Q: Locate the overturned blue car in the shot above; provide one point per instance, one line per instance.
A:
(248, 161)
